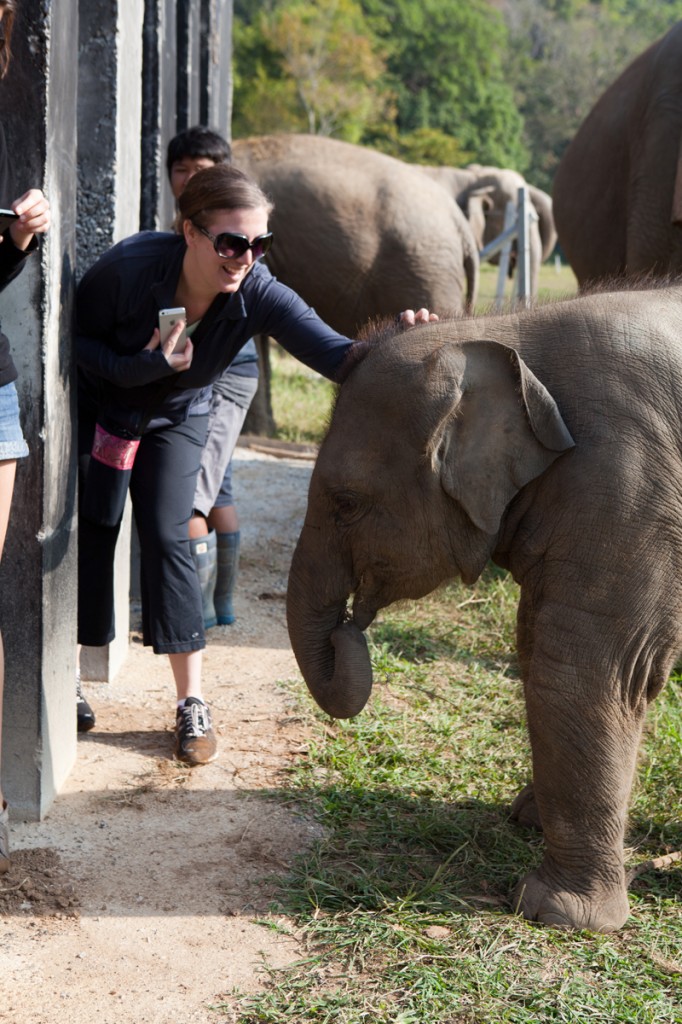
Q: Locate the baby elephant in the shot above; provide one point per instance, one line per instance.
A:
(550, 441)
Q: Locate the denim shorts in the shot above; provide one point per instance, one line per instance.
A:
(12, 443)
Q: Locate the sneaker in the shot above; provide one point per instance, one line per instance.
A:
(85, 716)
(195, 741)
(4, 838)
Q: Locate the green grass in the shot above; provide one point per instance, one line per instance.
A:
(553, 283)
(301, 399)
(404, 905)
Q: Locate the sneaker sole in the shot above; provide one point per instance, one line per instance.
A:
(191, 763)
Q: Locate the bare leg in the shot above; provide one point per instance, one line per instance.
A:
(186, 667)
(7, 473)
(195, 741)
(198, 527)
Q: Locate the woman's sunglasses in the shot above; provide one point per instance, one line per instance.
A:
(230, 246)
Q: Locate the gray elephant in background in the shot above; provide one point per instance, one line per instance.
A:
(618, 188)
(360, 234)
(550, 441)
(483, 194)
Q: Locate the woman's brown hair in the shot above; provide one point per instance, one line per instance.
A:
(9, 10)
(222, 187)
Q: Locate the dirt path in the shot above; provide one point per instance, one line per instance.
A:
(133, 902)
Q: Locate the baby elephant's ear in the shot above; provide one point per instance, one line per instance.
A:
(504, 432)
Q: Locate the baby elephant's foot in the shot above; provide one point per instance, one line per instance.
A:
(524, 809)
(599, 911)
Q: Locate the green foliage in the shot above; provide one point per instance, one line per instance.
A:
(438, 81)
(563, 55)
(446, 67)
(307, 65)
(422, 146)
(422, 79)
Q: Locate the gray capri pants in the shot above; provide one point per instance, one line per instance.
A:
(230, 400)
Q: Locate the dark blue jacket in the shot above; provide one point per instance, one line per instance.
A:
(12, 260)
(117, 309)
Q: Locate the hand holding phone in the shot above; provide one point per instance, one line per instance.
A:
(7, 217)
(168, 318)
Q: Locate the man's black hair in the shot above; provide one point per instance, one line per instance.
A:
(195, 143)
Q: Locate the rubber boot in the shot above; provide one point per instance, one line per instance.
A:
(228, 566)
(204, 557)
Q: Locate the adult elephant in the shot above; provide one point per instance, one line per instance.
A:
(483, 194)
(536, 439)
(618, 188)
(360, 234)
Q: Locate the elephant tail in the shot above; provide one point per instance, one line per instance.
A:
(472, 272)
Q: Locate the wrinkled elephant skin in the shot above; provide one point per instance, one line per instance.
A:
(550, 441)
(360, 235)
(618, 189)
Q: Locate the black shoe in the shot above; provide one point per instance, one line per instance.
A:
(84, 713)
(195, 741)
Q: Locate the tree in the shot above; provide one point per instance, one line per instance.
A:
(307, 66)
(563, 55)
(446, 66)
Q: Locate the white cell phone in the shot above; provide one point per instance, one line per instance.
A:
(7, 217)
(167, 321)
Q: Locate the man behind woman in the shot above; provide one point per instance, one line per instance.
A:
(214, 526)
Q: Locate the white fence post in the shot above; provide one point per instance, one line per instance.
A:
(523, 281)
(517, 220)
(505, 253)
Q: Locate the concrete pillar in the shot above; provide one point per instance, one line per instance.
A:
(38, 575)
(188, 31)
(159, 96)
(109, 173)
(216, 66)
(204, 55)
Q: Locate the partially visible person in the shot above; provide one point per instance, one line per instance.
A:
(17, 242)
(192, 150)
(143, 408)
(214, 526)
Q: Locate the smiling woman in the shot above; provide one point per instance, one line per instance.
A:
(220, 212)
(150, 404)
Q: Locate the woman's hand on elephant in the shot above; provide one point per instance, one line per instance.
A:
(408, 317)
(179, 361)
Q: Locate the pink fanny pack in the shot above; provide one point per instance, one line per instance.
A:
(113, 451)
(108, 477)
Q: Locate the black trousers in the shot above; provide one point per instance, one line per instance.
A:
(162, 489)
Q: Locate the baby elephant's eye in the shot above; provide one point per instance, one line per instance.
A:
(348, 507)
